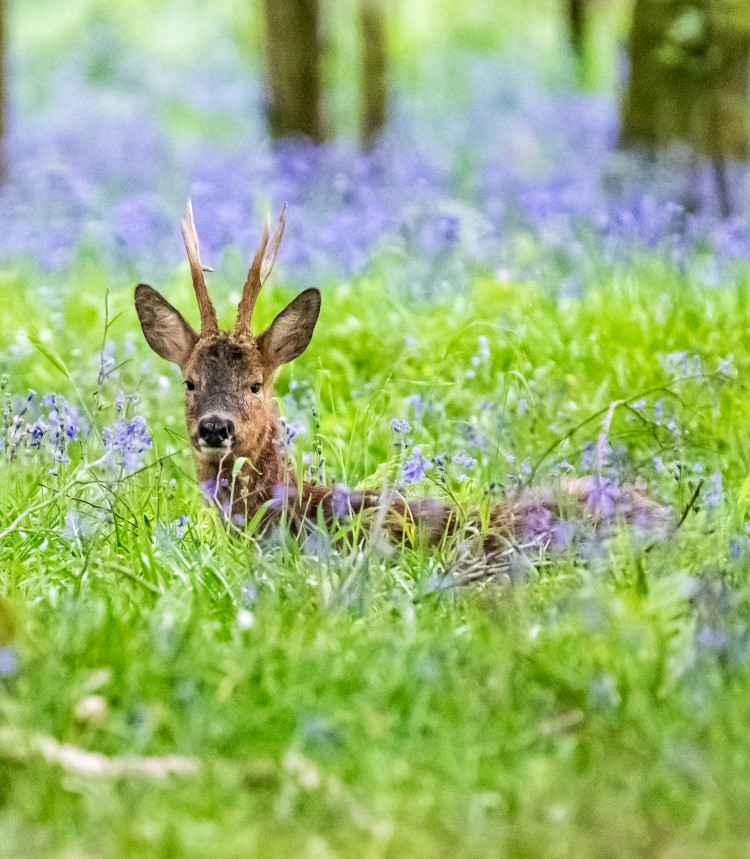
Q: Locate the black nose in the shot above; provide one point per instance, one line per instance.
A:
(215, 431)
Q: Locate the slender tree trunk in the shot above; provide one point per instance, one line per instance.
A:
(694, 90)
(689, 62)
(293, 61)
(3, 95)
(577, 27)
(374, 94)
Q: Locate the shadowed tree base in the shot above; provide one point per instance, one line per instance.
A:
(693, 90)
(293, 58)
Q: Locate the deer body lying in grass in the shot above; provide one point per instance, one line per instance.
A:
(235, 433)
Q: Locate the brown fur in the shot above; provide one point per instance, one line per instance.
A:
(229, 377)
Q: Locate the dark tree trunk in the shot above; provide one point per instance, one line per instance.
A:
(3, 95)
(374, 95)
(293, 60)
(577, 27)
(694, 90)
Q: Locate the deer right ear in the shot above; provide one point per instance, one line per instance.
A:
(164, 327)
(287, 337)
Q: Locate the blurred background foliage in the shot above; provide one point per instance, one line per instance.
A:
(504, 146)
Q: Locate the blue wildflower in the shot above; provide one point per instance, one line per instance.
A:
(465, 460)
(418, 405)
(715, 493)
(603, 498)
(415, 467)
(340, 504)
(128, 438)
(400, 426)
(9, 661)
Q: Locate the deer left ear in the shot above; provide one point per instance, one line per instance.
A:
(164, 327)
(287, 337)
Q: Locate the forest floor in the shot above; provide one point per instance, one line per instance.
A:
(168, 688)
(506, 302)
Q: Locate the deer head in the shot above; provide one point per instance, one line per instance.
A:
(229, 375)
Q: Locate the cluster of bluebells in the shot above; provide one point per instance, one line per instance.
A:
(61, 427)
(466, 462)
(416, 467)
(128, 439)
(444, 196)
(401, 428)
(51, 433)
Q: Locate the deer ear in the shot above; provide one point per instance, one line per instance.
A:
(164, 327)
(287, 337)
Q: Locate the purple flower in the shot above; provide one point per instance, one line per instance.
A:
(129, 439)
(36, 432)
(468, 462)
(603, 498)
(711, 638)
(340, 504)
(291, 430)
(415, 467)
(715, 493)
(61, 426)
(400, 426)
(8, 661)
(282, 494)
(417, 403)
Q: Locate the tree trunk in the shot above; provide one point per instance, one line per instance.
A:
(374, 93)
(688, 78)
(577, 27)
(3, 95)
(293, 59)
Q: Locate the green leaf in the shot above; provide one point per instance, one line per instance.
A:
(50, 354)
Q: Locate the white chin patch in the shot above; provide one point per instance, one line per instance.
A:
(213, 454)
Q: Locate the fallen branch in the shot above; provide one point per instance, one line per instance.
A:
(93, 764)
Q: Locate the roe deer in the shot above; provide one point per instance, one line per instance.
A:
(230, 414)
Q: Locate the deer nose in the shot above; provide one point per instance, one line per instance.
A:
(215, 431)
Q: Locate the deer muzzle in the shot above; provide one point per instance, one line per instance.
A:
(215, 431)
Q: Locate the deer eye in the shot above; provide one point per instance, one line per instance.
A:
(189, 385)
(255, 388)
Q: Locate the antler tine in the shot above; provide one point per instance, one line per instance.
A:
(258, 274)
(209, 323)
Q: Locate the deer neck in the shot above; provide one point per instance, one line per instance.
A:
(240, 492)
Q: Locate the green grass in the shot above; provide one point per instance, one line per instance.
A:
(340, 703)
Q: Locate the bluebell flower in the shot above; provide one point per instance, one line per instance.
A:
(9, 661)
(415, 467)
(418, 405)
(714, 495)
(603, 498)
(713, 638)
(340, 504)
(465, 460)
(400, 426)
(129, 439)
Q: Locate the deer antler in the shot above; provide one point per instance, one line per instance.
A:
(258, 274)
(209, 323)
